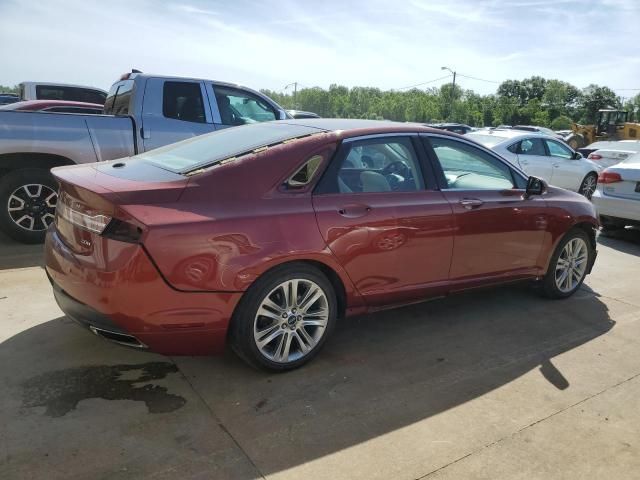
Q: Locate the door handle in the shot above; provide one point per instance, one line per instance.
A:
(354, 211)
(470, 203)
(556, 165)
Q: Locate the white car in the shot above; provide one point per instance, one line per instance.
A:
(617, 198)
(544, 157)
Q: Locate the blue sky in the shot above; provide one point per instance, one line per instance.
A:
(381, 43)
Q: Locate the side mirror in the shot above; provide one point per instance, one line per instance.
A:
(577, 156)
(535, 186)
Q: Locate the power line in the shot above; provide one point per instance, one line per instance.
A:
(476, 78)
(424, 83)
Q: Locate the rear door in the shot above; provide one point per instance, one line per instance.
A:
(499, 232)
(567, 172)
(173, 111)
(387, 224)
(533, 158)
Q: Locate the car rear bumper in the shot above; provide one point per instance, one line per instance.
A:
(119, 294)
(616, 207)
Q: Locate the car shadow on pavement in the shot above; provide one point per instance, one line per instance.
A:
(377, 374)
(18, 255)
(380, 373)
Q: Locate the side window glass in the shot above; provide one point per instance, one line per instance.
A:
(305, 174)
(532, 146)
(374, 166)
(514, 148)
(183, 101)
(557, 150)
(469, 168)
(239, 108)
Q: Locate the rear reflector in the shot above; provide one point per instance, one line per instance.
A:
(76, 214)
(609, 177)
(594, 156)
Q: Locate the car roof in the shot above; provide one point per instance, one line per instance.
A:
(508, 134)
(350, 127)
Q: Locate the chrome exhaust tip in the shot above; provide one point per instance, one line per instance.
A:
(119, 338)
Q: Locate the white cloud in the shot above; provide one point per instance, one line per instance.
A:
(373, 43)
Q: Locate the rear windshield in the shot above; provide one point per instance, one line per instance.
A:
(75, 94)
(486, 140)
(206, 150)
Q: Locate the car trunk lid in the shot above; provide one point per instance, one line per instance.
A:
(94, 198)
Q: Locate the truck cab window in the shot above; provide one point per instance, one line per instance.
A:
(239, 108)
(183, 101)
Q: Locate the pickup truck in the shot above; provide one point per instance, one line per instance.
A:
(142, 112)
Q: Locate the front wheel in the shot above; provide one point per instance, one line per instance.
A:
(568, 266)
(283, 320)
(27, 204)
(588, 185)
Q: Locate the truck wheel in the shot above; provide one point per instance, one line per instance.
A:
(575, 141)
(27, 204)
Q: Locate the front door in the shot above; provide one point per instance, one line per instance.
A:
(567, 172)
(499, 232)
(391, 230)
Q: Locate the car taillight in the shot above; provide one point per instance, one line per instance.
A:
(122, 231)
(79, 215)
(594, 156)
(609, 177)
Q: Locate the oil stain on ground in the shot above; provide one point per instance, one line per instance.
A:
(60, 391)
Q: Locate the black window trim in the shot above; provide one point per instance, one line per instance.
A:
(442, 182)
(343, 149)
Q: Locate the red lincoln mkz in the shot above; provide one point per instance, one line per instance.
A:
(268, 233)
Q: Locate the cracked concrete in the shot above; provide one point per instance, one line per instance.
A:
(495, 383)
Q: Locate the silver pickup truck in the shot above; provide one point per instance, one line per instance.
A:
(142, 112)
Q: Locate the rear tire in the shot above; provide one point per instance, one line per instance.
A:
(278, 325)
(588, 185)
(569, 265)
(27, 204)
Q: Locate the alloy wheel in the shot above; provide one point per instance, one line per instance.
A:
(571, 265)
(291, 320)
(32, 207)
(589, 186)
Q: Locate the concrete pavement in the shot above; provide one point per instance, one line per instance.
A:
(495, 383)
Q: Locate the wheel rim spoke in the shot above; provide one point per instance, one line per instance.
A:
(291, 320)
(571, 265)
(32, 207)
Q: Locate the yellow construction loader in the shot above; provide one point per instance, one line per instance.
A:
(610, 125)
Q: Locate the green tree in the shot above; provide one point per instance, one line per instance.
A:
(561, 123)
(6, 89)
(594, 98)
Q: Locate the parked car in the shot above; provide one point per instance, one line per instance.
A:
(271, 232)
(300, 114)
(617, 199)
(609, 157)
(543, 130)
(143, 112)
(610, 145)
(459, 128)
(61, 91)
(8, 98)
(56, 106)
(544, 157)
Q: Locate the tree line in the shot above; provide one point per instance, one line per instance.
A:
(532, 101)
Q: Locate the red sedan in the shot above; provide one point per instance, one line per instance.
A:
(266, 234)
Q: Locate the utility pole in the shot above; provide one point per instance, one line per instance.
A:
(295, 93)
(453, 88)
